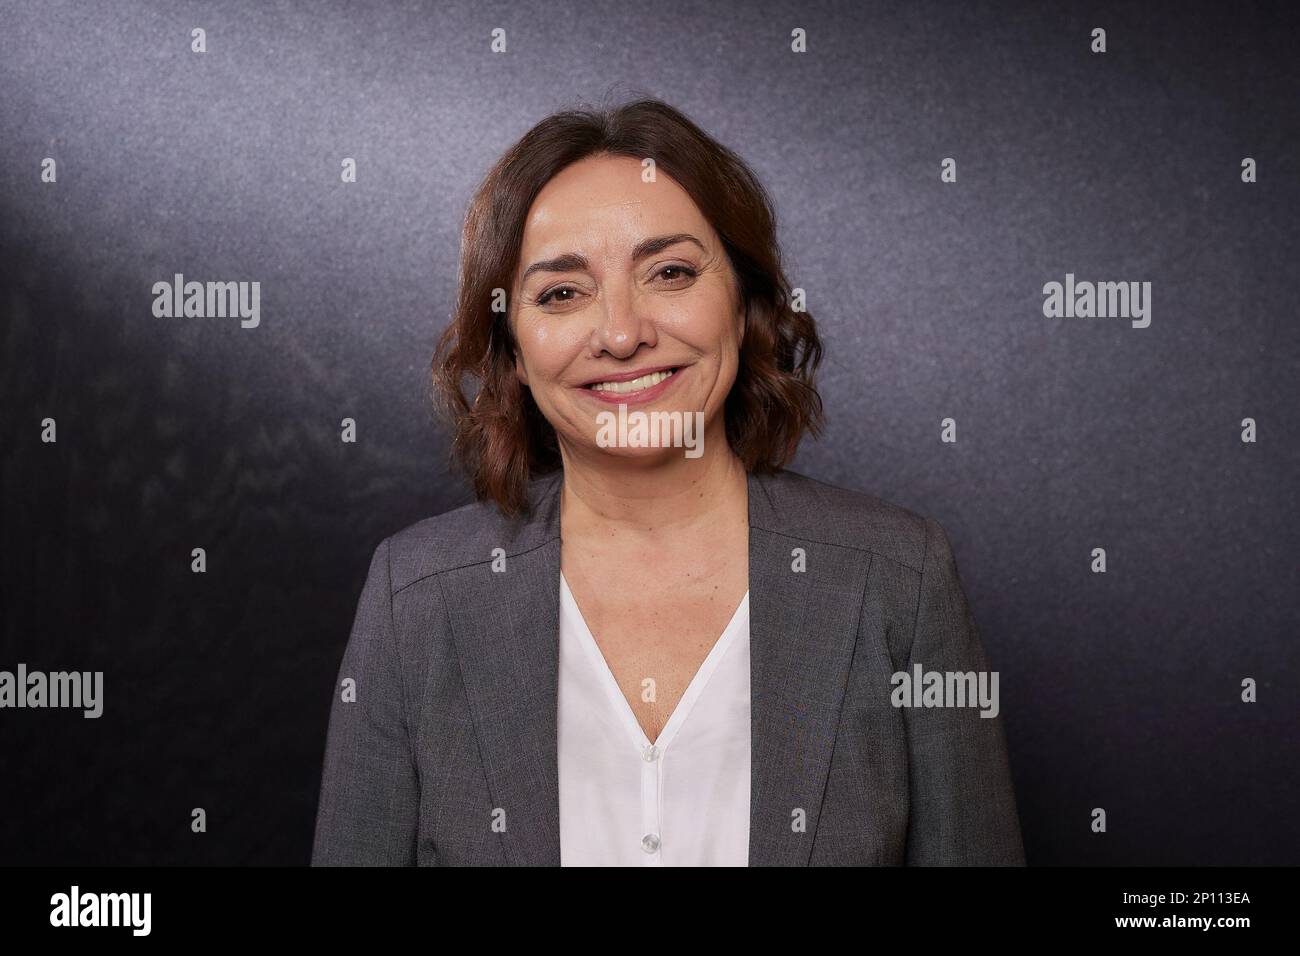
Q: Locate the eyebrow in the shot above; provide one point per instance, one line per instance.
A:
(575, 262)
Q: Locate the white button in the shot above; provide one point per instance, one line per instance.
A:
(651, 754)
(650, 842)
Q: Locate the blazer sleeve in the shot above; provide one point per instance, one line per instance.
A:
(962, 802)
(369, 794)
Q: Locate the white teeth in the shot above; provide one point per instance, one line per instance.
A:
(618, 388)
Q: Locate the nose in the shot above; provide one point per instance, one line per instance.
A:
(622, 325)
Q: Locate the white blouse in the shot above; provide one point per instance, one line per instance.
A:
(680, 801)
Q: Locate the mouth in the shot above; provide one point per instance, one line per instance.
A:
(645, 387)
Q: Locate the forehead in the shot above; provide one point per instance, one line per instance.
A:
(600, 205)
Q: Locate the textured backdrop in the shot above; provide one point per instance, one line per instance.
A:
(1120, 690)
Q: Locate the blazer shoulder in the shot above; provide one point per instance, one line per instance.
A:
(807, 507)
(460, 537)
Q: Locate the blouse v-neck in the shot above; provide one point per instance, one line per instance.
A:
(682, 799)
(694, 688)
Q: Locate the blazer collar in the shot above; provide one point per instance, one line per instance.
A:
(506, 632)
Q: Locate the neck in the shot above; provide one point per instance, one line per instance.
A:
(651, 498)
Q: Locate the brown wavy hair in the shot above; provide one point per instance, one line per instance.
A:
(501, 440)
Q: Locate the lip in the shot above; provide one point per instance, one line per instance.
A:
(639, 397)
(627, 376)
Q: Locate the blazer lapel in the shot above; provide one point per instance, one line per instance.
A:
(802, 633)
(506, 630)
(506, 627)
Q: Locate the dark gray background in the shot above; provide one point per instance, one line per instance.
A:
(1118, 691)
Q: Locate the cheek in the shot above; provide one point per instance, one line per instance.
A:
(546, 351)
(535, 342)
(707, 324)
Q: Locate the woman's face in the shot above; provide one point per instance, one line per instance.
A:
(619, 277)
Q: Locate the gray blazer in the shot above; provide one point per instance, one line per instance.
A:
(452, 731)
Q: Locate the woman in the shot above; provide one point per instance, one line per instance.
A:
(640, 646)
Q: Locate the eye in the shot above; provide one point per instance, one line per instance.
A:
(686, 271)
(550, 294)
(666, 273)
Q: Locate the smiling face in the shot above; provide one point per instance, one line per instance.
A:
(617, 278)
